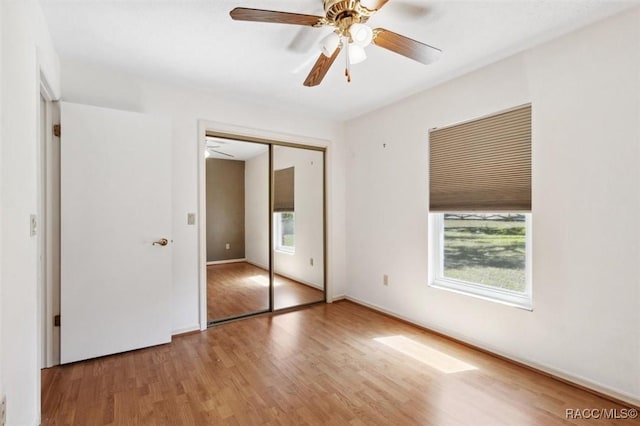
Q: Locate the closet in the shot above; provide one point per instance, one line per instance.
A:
(265, 226)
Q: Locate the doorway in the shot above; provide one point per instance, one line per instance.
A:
(47, 228)
(263, 227)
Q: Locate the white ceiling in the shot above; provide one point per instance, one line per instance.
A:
(196, 43)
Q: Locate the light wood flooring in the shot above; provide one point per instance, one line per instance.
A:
(240, 288)
(334, 364)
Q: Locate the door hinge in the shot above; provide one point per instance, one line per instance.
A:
(56, 321)
(57, 130)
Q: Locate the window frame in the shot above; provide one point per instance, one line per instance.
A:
(523, 300)
(277, 234)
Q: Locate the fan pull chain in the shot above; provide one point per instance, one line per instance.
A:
(347, 70)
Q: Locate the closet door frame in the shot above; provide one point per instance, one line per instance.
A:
(242, 134)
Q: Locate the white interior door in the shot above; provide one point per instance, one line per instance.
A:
(115, 203)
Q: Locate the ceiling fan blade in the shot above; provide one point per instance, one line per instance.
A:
(305, 39)
(406, 46)
(320, 68)
(275, 17)
(222, 153)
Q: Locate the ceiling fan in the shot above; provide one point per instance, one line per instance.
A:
(349, 18)
(213, 149)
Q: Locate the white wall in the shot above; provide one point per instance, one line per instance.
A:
(256, 215)
(26, 47)
(309, 217)
(585, 92)
(307, 166)
(93, 85)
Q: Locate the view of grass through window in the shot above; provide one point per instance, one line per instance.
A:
(486, 249)
(287, 223)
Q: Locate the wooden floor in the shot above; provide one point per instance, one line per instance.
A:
(332, 364)
(235, 289)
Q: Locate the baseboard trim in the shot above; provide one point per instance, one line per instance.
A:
(257, 265)
(222, 262)
(339, 297)
(185, 330)
(298, 280)
(595, 388)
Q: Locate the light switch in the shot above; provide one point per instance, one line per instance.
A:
(227, 246)
(191, 218)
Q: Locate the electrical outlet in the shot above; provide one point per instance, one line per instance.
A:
(191, 218)
(385, 279)
(311, 261)
(3, 410)
(227, 246)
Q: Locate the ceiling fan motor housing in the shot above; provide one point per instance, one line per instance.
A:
(343, 13)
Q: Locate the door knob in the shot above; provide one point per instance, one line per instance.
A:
(161, 242)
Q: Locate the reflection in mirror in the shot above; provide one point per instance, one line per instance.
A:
(237, 223)
(298, 226)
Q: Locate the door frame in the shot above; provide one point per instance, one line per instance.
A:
(248, 134)
(48, 199)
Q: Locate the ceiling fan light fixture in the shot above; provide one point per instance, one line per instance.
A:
(361, 34)
(356, 54)
(370, 4)
(329, 44)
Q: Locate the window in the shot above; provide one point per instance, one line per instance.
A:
(284, 210)
(284, 235)
(483, 254)
(480, 204)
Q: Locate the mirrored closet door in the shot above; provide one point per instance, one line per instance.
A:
(298, 226)
(237, 228)
(265, 237)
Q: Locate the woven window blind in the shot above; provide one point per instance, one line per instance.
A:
(483, 164)
(283, 190)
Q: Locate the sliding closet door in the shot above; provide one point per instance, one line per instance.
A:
(237, 228)
(298, 226)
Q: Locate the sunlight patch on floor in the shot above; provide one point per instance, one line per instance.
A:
(425, 354)
(264, 280)
(260, 279)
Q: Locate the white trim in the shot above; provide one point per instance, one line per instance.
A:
(257, 265)
(480, 292)
(44, 334)
(201, 142)
(49, 213)
(561, 374)
(285, 250)
(298, 280)
(195, 327)
(507, 297)
(250, 132)
(221, 262)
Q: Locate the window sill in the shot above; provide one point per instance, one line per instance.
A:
(290, 252)
(497, 295)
